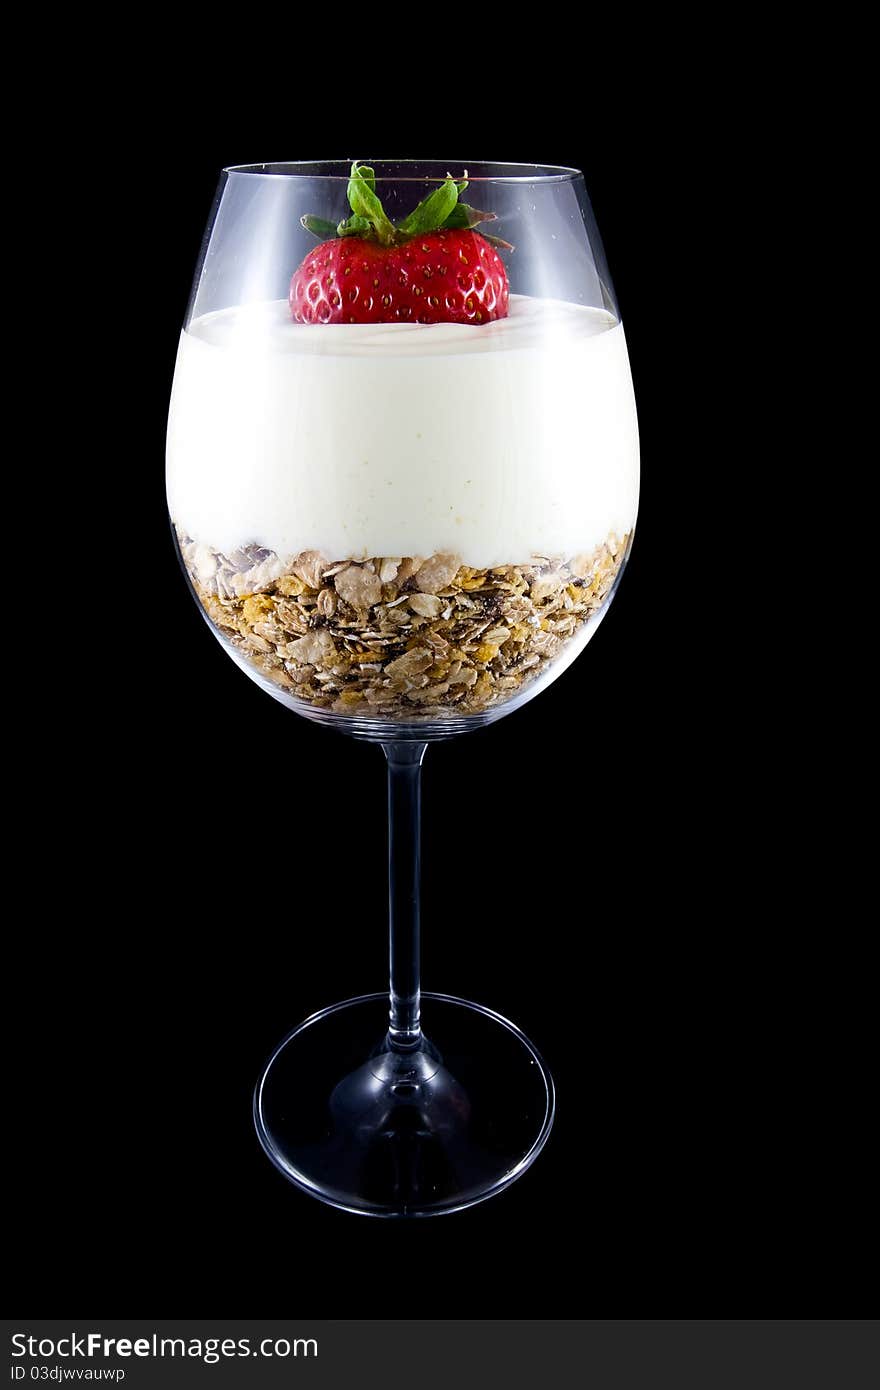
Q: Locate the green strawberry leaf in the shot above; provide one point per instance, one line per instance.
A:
(355, 226)
(498, 241)
(319, 227)
(365, 204)
(432, 211)
(440, 209)
(464, 216)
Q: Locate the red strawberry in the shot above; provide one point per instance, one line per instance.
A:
(430, 268)
(440, 277)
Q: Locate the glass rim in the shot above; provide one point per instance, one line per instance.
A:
(300, 168)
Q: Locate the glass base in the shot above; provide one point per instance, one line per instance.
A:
(393, 1133)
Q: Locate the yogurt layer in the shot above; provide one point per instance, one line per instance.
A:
(496, 443)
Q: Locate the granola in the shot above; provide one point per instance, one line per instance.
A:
(399, 637)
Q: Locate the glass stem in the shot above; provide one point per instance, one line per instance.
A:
(404, 867)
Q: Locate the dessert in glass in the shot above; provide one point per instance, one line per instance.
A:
(403, 478)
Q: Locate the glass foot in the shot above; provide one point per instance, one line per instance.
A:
(391, 1133)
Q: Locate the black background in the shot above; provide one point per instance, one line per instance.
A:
(588, 867)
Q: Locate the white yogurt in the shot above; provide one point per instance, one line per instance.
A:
(495, 443)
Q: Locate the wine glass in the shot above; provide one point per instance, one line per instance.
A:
(403, 479)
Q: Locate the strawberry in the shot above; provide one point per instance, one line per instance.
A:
(443, 277)
(429, 268)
